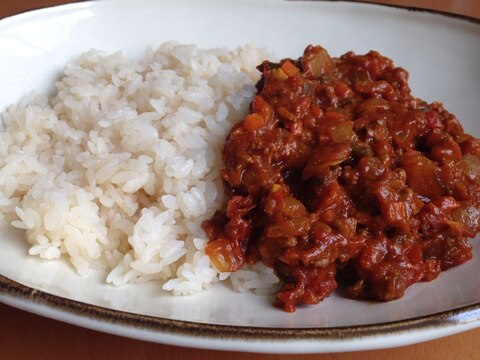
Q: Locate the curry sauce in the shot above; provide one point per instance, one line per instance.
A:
(339, 175)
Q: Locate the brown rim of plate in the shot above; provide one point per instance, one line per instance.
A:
(459, 316)
(404, 7)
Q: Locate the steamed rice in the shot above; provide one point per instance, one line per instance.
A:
(120, 167)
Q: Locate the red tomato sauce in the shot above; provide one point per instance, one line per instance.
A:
(340, 176)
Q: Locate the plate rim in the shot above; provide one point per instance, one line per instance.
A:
(463, 315)
(409, 8)
(87, 3)
(450, 321)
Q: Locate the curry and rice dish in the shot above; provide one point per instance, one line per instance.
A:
(190, 167)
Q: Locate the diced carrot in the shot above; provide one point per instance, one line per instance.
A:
(259, 105)
(289, 68)
(254, 122)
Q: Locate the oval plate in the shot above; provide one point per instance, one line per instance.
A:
(442, 55)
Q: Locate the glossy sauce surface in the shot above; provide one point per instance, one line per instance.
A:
(340, 176)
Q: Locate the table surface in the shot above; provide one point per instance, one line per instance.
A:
(27, 336)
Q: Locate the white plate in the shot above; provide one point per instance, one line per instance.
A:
(442, 55)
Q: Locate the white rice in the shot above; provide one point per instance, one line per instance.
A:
(120, 167)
